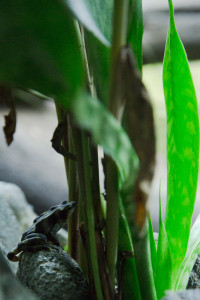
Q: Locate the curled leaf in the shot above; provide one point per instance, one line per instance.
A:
(140, 127)
(6, 98)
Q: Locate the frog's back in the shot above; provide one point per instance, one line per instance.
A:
(40, 225)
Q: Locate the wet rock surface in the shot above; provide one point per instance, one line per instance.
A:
(53, 275)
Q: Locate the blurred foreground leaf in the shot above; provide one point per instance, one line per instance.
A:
(39, 47)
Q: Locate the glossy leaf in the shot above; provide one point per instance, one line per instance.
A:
(164, 270)
(39, 47)
(182, 144)
(193, 251)
(106, 131)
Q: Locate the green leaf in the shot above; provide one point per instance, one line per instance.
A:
(192, 253)
(135, 30)
(99, 64)
(39, 47)
(106, 131)
(153, 249)
(95, 16)
(182, 144)
(128, 274)
(164, 266)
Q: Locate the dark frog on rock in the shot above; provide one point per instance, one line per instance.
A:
(42, 234)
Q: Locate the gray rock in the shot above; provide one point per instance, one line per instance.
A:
(10, 287)
(194, 279)
(10, 233)
(15, 198)
(23, 211)
(52, 275)
(183, 295)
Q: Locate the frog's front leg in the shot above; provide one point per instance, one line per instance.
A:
(53, 238)
(32, 242)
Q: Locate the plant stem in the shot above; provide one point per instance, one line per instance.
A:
(84, 173)
(71, 174)
(120, 20)
(73, 234)
(144, 266)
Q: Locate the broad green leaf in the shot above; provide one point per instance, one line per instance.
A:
(106, 131)
(192, 253)
(95, 16)
(135, 30)
(164, 273)
(99, 62)
(127, 273)
(102, 11)
(182, 144)
(39, 47)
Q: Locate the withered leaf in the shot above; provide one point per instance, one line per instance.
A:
(57, 138)
(139, 124)
(6, 98)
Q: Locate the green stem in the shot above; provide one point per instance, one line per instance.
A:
(120, 20)
(144, 266)
(71, 174)
(73, 234)
(84, 174)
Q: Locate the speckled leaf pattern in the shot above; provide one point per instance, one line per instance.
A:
(191, 256)
(182, 144)
(106, 131)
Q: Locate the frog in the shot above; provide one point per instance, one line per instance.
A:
(41, 235)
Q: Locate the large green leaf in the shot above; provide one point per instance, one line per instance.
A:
(182, 144)
(99, 62)
(39, 47)
(192, 253)
(135, 30)
(106, 131)
(95, 16)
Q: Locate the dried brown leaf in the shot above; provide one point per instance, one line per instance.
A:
(6, 98)
(140, 127)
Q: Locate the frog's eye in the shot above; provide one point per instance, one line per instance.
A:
(52, 208)
(64, 202)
